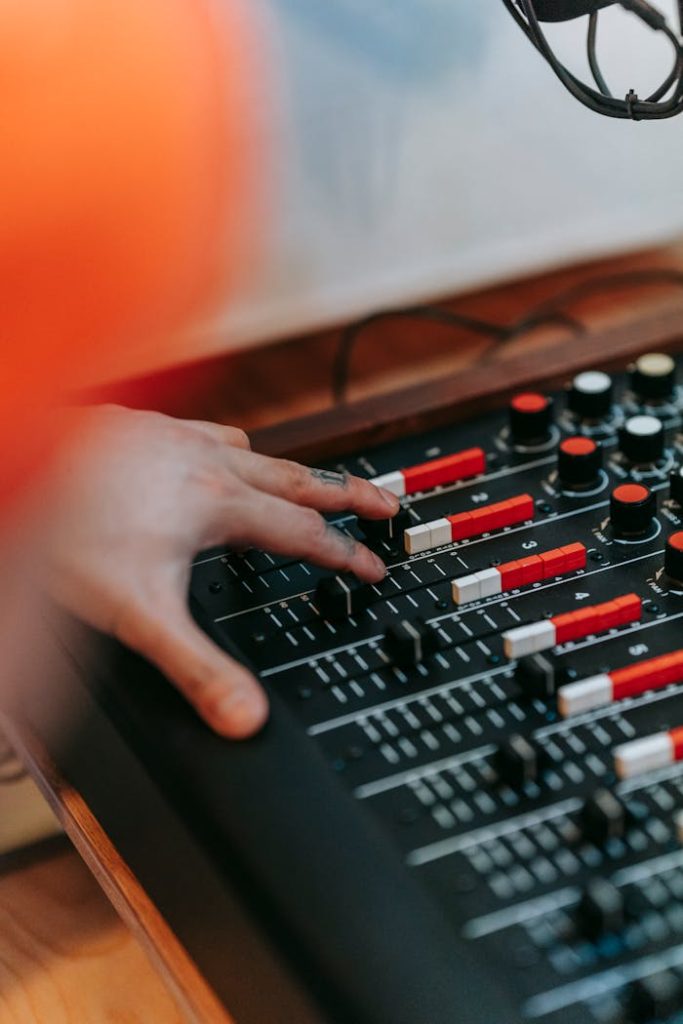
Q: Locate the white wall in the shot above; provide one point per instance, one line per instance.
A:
(426, 148)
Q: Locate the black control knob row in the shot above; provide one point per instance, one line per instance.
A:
(653, 377)
(592, 395)
(633, 508)
(673, 564)
(579, 462)
(641, 440)
(531, 418)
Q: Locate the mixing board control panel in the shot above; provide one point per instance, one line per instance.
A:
(508, 702)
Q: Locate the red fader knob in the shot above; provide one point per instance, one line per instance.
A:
(632, 509)
(531, 418)
(673, 565)
(579, 462)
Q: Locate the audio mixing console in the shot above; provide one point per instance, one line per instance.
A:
(508, 703)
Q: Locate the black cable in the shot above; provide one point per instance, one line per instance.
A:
(497, 333)
(655, 107)
(548, 312)
(435, 314)
(632, 107)
(593, 61)
(608, 282)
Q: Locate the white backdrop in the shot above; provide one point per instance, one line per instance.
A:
(425, 148)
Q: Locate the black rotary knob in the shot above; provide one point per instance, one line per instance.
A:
(653, 377)
(632, 509)
(579, 462)
(676, 484)
(641, 439)
(673, 565)
(340, 597)
(603, 817)
(389, 530)
(601, 909)
(531, 418)
(592, 395)
(409, 641)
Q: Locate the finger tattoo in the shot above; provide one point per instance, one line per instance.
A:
(329, 477)
(349, 542)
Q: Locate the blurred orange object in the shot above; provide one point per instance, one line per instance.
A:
(129, 159)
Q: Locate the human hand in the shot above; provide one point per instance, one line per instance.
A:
(136, 495)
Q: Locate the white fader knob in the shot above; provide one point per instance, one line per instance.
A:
(653, 377)
(641, 439)
(592, 395)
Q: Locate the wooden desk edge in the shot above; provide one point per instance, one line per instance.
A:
(382, 418)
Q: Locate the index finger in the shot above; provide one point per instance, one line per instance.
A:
(322, 489)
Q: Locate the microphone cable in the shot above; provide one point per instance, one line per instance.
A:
(666, 101)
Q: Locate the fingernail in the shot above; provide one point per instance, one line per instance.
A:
(379, 565)
(242, 714)
(390, 499)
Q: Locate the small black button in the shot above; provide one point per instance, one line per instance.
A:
(603, 817)
(518, 762)
(339, 597)
(409, 641)
(653, 998)
(676, 485)
(538, 676)
(387, 530)
(601, 909)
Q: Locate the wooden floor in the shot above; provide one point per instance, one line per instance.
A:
(65, 956)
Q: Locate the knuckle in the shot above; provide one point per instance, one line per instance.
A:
(297, 479)
(239, 437)
(315, 528)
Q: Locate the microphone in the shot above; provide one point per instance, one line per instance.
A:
(565, 10)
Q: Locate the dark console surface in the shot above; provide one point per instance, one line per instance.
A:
(524, 759)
